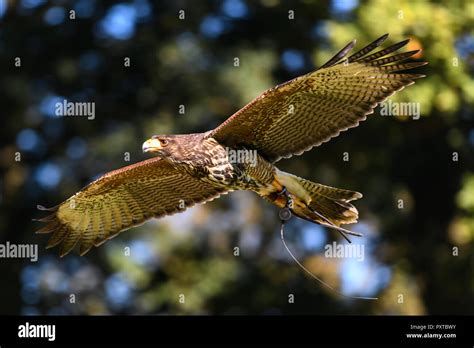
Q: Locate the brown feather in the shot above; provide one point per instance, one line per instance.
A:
(122, 199)
(311, 109)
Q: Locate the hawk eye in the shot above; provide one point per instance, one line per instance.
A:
(163, 142)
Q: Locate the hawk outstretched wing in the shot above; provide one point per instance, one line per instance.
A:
(122, 199)
(311, 109)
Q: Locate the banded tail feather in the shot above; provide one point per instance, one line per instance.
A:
(321, 204)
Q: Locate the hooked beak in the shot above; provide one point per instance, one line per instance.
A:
(151, 145)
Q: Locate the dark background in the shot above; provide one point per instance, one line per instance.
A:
(190, 62)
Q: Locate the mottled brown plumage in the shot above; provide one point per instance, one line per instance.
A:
(122, 199)
(286, 120)
(311, 109)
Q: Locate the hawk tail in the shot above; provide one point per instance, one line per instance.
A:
(325, 205)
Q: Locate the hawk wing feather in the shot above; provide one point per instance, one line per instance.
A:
(122, 199)
(311, 109)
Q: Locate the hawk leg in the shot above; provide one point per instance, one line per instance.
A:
(285, 212)
(289, 200)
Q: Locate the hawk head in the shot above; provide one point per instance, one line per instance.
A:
(161, 145)
(176, 147)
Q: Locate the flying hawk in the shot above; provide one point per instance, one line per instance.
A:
(240, 154)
